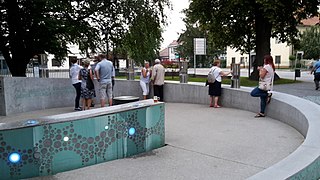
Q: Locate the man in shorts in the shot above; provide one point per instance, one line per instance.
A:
(103, 72)
(316, 71)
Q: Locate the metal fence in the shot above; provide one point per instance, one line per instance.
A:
(43, 73)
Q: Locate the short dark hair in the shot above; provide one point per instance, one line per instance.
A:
(216, 62)
(74, 60)
(102, 56)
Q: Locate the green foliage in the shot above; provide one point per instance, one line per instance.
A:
(186, 49)
(310, 43)
(144, 37)
(292, 57)
(244, 81)
(246, 25)
(31, 27)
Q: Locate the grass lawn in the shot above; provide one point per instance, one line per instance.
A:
(244, 81)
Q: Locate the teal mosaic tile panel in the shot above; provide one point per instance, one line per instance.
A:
(17, 145)
(53, 148)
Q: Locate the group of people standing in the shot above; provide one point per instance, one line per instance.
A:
(82, 81)
(104, 72)
(266, 76)
(154, 76)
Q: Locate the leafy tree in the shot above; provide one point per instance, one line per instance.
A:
(143, 39)
(186, 49)
(249, 24)
(31, 27)
(310, 43)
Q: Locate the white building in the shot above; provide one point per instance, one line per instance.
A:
(74, 52)
(279, 51)
(169, 53)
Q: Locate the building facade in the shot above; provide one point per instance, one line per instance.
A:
(279, 51)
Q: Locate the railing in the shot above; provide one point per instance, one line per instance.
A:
(43, 73)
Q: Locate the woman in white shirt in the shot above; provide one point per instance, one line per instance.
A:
(145, 79)
(266, 74)
(215, 88)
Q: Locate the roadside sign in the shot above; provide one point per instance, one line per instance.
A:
(199, 46)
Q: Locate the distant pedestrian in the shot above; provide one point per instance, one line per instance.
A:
(316, 72)
(266, 74)
(215, 88)
(103, 72)
(157, 78)
(145, 80)
(87, 93)
(74, 75)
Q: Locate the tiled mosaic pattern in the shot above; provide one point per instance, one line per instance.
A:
(54, 148)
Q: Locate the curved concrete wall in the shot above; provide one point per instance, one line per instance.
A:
(303, 115)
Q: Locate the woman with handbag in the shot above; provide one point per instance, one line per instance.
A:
(266, 76)
(215, 87)
(87, 86)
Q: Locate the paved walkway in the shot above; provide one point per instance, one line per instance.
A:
(220, 144)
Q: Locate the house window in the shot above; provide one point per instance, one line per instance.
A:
(241, 60)
(278, 59)
(233, 60)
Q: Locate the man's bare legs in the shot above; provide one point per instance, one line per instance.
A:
(103, 102)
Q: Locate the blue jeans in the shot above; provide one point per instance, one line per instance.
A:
(77, 86)
(256, 92)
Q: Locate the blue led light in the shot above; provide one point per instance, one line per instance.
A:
(132, 131)
(14, 157)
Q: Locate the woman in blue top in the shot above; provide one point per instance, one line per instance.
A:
(145, 79)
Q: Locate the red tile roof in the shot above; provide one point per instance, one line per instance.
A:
(174, 43)
(311, 21)
(164, 53)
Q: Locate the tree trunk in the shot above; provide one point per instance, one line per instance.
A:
(18, 56)
(17, 68)
(263, 35)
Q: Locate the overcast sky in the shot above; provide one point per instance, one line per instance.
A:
(175, 23)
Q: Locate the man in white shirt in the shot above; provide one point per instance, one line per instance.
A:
(157, 78)
(74, 75)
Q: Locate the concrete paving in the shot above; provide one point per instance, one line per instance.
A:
(202, 143)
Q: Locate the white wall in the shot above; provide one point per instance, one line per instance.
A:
(277, 49)
(74, 51)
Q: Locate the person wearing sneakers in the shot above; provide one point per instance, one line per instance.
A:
(215, 88)
(76, 83)
(316, 72)
(266, 74)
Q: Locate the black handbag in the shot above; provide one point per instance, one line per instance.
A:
(89, 83)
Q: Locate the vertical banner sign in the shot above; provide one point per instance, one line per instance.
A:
(200, 47)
